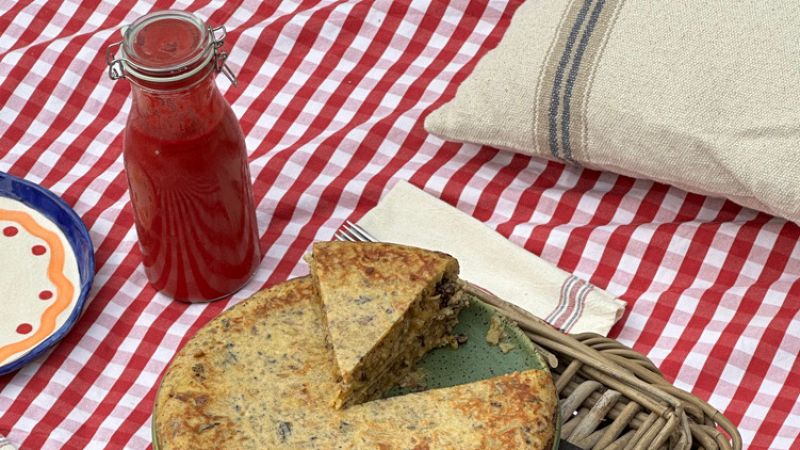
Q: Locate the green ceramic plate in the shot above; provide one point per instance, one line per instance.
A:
(477, 359)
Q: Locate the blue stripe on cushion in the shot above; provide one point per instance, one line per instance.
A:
(573, 74)
(562, 65)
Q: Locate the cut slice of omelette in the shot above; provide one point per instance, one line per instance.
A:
(386, 305)
(259, 376)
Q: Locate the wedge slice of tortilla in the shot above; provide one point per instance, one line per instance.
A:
(385, 305)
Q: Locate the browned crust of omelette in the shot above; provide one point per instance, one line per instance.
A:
(195, 381)
(260, 376)
(386, 305)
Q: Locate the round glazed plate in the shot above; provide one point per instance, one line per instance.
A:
(479, 360)
(46, 270)
(445, 367)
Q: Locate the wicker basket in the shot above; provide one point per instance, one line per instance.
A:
(612, 397)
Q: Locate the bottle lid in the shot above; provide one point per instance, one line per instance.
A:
(167, 46)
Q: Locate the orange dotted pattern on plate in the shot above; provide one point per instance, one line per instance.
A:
(55, 272)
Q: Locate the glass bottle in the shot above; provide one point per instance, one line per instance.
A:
(185, 159)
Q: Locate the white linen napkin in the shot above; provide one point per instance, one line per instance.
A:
(407, 215)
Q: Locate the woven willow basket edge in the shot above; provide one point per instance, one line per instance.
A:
(616, 398)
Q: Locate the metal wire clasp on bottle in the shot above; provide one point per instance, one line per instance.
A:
(119, 65)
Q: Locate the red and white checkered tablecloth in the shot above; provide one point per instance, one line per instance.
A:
(331, 99)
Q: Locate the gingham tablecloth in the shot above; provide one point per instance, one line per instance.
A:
(331, 99)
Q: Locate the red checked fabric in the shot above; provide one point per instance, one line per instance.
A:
(331, 97)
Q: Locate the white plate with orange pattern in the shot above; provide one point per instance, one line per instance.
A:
(46, 270)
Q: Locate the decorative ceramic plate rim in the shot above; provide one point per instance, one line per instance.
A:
(64, 217)
(509, 327)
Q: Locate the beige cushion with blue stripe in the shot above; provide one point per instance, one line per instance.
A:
(701, 95)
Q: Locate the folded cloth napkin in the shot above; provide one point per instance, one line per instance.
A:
(407, 215)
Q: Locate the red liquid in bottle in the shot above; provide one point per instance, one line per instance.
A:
(190, 187)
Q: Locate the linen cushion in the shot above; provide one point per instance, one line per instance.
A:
(701, 95)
